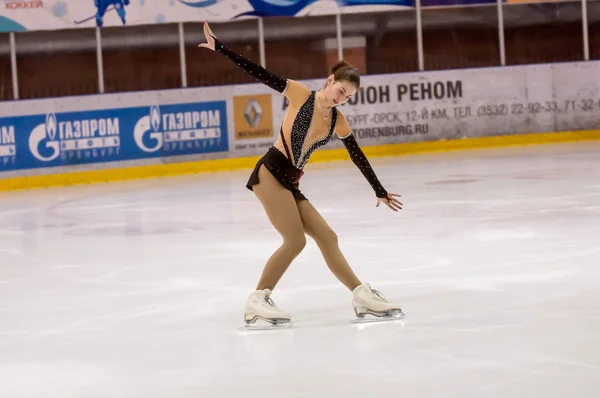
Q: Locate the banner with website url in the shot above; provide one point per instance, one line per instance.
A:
(100, 136)
(26, 15)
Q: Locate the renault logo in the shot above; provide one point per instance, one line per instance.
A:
(253, 113)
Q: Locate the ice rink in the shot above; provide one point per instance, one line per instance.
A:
(136, 289)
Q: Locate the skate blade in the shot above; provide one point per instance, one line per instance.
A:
(263, 324)
(371, 317)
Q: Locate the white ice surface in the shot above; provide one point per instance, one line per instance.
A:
(136, 289)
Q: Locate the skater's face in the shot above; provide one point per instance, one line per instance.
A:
(338, 92)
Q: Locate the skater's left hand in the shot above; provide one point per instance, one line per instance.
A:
(392, 203)
(210, 41)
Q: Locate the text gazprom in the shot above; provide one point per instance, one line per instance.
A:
(88, 128)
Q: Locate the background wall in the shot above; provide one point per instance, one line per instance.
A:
(146, 57)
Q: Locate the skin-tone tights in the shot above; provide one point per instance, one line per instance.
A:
(293, 219)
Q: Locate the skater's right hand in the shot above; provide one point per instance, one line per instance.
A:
(391, 202)
(210, 38)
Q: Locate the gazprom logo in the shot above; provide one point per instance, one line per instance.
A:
(155, 117)
(83, 137)
(51, 125)
(177, 130)
(42, 141)
(148, 127)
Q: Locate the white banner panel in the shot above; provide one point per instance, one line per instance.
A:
(455, 104)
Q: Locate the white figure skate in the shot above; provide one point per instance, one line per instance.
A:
(367, 301)
(260, 307)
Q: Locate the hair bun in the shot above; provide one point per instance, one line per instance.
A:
(340, 66)
(343, 70)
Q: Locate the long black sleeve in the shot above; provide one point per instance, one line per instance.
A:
(261, 74)
(360, 160)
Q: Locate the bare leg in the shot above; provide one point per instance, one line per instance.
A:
(317, 228)
(280, 206)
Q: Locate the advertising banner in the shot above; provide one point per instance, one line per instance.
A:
(110, 135)
(468, 103)
(23, 15)
(256, 112)
(442, 3)
(244, 120)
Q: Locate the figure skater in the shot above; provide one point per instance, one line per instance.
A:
(310, 120)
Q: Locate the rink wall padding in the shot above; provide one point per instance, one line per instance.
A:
(109, 137)
(219, 165)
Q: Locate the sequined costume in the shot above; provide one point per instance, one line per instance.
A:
(301, 129)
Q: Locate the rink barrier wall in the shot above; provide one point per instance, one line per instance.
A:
(324, 155)
(117, 136)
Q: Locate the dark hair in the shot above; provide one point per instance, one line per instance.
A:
(342, 70)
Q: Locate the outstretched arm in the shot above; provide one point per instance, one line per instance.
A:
(360, 160)
(261, 74)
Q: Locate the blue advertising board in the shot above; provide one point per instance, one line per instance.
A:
(108, 135)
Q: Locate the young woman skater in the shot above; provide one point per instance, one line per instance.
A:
(309, 123)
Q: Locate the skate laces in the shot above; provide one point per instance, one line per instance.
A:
(379, 295)
(270, 301)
